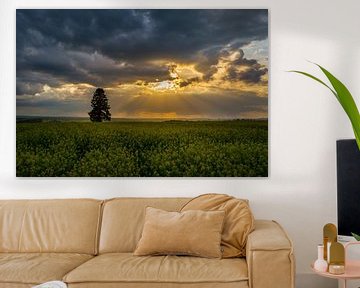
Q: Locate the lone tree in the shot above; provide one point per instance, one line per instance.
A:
(100, 107)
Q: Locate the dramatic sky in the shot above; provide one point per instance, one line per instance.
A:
(151, 63)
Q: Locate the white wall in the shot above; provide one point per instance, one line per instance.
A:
(305, 120)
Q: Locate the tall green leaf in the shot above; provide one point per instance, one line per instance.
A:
(347, 101)
(344, 97)
(357, 237)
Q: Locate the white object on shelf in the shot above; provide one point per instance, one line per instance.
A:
(320, 264)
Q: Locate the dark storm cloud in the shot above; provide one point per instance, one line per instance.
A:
(184, 83)
(64, 66)
(208, 58)
(253, 73)
(50, 107)
(28, 88)
(103, 47)
(140, 33)
(30, 82)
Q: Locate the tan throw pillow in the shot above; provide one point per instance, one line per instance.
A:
(239, 220)
(196, 233)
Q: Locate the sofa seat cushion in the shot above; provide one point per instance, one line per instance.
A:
(127, 268)
(36, 268)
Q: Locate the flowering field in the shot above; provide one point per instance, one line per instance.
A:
(147, 149)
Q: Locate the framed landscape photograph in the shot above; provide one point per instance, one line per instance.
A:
(142, 93)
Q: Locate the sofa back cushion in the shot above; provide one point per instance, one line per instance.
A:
(193, 232)
(66, 226)
(123, 220)
(238, 224)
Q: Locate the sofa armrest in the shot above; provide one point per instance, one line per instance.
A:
(269, 256)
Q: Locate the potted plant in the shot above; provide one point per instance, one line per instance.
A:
(346, 100)
(357, 237)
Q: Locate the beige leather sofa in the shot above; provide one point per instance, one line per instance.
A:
(89, 243)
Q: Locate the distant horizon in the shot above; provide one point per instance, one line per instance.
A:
(134, 118)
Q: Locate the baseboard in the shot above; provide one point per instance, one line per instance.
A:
(310, 280)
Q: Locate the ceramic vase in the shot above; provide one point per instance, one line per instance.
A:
(320, 264)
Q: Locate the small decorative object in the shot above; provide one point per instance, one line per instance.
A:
(336, 269)
(330, 236)
(337, 258)
(320, 264)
